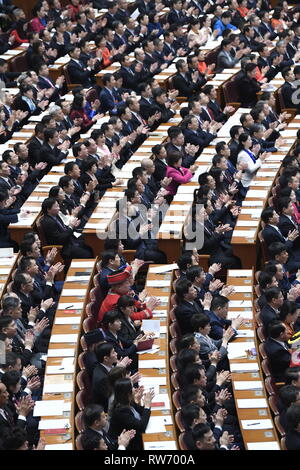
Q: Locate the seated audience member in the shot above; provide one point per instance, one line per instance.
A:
(292, 438)
(128, 413)
(57, 233)
(201, 326)
(218, 317)
(186, 306)
(121, 282)
(288, 395)
(277, 350)
(270, 311)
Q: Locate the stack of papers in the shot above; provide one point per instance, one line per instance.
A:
(239, 350)
(252, 403)
(248, 385)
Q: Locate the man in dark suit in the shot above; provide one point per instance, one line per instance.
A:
(265, 27)
(130, 77)
(218, 317)
(186, 305)
(287, 223)
(107, 96)
(186, 83)
(213, 105)
(78, 73)
(57, 233)
(176, 16)
(176, 144)
(270, 312)
(50, 152)
(7, 420)
(35, 144)
(107, 358)
(146, 101)
(160, 162)
(292, 418)
(46, 83)
(95, 421)
(277, 351)
(248, 38)
(272, 233)
(248, 86)
(288, 89)
(193, 134)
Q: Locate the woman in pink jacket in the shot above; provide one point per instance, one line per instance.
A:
(178, 173)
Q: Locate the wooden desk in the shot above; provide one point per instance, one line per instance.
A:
(61, 327)
(168, 437)
(251, 435)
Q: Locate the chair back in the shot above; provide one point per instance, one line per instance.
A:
(181, 442)
(176, 399)
(273, 404)
(179, 422)
(173, 363)
(79, 422)
(174, 381)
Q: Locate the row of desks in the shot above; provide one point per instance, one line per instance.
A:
(250, 396)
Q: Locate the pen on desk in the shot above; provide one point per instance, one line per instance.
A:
(69, 306)
(253, 424)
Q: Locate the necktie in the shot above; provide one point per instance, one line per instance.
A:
(49, 82)
(60, 223)
(211, 114)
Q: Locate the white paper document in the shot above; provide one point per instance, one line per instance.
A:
(149, 351)
(82, 264)
(268, 445)
(48, 408)
(76, 292)
(67, 320)
(255, 213)
(248, 315)
(245, 233)
(68, 352)
(163, 269)
(77, 278)
(151, 326)
(69, 306)
(239, 350)
(160, 445)
(154, 364)
(66, 446)
(161, 398)
(253, 424)
(246, 223)
(96, 225)
(257, 193)
(175, 218)
(244, 367)
(252, 403)
(102, 215)
(242, 288)
(240, 304)
(159, 313)
(58, 388)
(69, 369)
(245, 334)
(170, 228)
(247, 203)
(157, 283)
(149, 382)
(239, 272)
(68, 338)
(248, 385)
(54, 424)
(155, 424)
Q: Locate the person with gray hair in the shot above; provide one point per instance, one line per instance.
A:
(257, 132)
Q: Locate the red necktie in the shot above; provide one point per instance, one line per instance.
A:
(211, 114)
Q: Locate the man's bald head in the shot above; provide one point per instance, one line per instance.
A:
(148, 165)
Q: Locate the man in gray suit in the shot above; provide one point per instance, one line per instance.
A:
(225, 59)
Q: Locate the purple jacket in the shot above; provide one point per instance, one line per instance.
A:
(179, 176)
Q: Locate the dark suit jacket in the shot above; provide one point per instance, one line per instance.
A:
(34, 149)
(184, 312)
(127, 332)
(286, 225)
(51, 156)
(56, 235)
(199, 137)
(247, 88)
(267, 315)
(292, 440)
(6, 425)
(112, 444)
(126, 348)
(78, 74)
(160, 169)
(287, 91)
(107, 100)
(99, 386)
(123, 418)
(279, 359)
(217, 111)
(186, 86)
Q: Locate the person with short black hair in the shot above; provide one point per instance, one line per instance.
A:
(277, 350)
(292, 438)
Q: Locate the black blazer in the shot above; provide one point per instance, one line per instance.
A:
(56, 235)
(51, 156)
(78, 74)
(279, 359)
(112, 444)
(287, 91)
(99, 387)
(184, 312)
(34, 149)
(186, 86)
(292, 440)
(267, 315)
(160, 169)
(247, 88)
(123, 418)
(6, 425)
(127, 332)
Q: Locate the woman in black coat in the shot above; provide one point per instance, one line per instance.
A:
(130, 329)
(127, 412)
